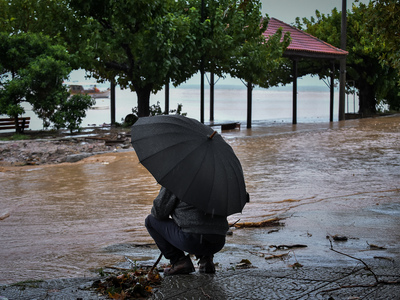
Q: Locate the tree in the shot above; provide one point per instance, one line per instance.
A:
(144, 45)
(70, 113)
(384, 22)
(233, 41)
(139, 43)
(375, 81)
(33, 70)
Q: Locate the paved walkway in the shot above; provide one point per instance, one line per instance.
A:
(324, 274)
(308, 283)
(284, 283)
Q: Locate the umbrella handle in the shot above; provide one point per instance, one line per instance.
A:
(156, 263)
(212, 135)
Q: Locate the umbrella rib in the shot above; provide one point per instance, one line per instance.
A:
(183, 158)
(174, 145)
(189, 185)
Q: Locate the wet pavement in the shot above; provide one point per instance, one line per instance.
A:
(312, 272)
(348, 282)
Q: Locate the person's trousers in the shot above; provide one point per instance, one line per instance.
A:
(173, 242)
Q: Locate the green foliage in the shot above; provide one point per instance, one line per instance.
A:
(237, 46)
(375, 81)
(33, 70)
(71, 112)
(15, 137)
(137, 43)
(144, 45)
(383, 16)
(155, 110)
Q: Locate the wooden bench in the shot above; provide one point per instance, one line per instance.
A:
(9, 123)
(226, 126)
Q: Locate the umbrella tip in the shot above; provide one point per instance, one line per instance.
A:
(212, 135)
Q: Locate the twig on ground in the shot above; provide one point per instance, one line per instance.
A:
(360, 260)
(205, 294)
(281, 256)
(377, 280)
(280, 247)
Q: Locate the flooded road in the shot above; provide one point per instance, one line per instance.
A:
(62, 220)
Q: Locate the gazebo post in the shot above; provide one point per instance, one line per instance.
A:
(167, 98)
(202, 73)
(212, 96)
(294, 116)
(112, 102)
(332, 92)
(249, 103)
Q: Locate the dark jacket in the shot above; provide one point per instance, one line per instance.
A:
(186, 216)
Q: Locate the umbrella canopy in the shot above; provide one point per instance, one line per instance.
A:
(192, 161)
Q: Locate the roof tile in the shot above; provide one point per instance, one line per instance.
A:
(302, 41)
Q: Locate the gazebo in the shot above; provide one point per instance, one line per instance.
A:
(302, 46)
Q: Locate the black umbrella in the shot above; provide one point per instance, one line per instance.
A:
(192, 161)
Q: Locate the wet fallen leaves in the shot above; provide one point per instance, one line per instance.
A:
(244, 264)
(134, 284)
(296, 265)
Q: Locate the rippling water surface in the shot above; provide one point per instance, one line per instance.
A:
(61, 220)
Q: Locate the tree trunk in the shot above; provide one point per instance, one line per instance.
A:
(143, 95)
(367, 99)
(18, 128)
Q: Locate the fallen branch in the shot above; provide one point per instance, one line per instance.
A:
(377, 280)
(265, 223)
(375, 247)
(281, 256)
(360, 260)
(117, 268)
(280, 247)
(384, 257)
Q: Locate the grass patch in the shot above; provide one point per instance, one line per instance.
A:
(15, 137)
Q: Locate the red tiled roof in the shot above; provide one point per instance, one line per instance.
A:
(304, 44)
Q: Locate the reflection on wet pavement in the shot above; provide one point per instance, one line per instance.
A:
(62, 220)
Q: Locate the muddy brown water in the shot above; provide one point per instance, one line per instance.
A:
(63, 220)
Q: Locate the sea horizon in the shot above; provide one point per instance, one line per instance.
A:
(269, 106)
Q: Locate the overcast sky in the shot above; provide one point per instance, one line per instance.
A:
(288, 10)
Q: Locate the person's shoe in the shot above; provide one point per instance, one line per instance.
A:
(183, 266)
(206, 265)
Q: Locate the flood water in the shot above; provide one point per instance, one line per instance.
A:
(62, 220)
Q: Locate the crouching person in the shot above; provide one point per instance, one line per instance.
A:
(178, 227)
